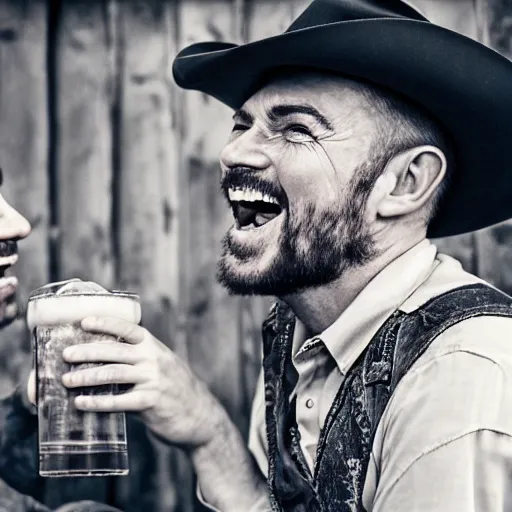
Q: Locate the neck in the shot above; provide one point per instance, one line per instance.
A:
(318, 308)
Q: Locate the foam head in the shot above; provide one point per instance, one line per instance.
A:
(70, 301)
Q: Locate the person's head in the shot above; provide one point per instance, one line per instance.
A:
(13, 227)
(324, 173)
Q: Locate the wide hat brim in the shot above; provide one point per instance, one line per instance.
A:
(464, 84)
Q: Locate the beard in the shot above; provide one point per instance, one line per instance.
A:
(316, 245)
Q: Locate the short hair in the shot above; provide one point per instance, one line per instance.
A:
(405, 125)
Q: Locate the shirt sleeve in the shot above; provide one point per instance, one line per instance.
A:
(18, 446)
(256, 445)
(447, 431)
(469, 473)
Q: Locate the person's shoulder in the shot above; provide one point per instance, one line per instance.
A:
(485, 336)
(463, 381)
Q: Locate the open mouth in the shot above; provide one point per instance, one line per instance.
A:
(253, 208)
(6, 262)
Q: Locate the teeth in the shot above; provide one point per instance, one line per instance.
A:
(249, 194)
(8, 260)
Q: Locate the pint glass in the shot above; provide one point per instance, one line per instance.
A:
(73, 442)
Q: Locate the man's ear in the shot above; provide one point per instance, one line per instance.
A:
(412, 178)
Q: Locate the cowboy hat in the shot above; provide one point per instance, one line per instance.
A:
(464, 84)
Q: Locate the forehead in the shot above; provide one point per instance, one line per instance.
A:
(329, 93)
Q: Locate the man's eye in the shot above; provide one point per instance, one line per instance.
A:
(239, 127)
(298, 133)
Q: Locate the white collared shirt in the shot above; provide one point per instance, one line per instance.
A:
(444, 442)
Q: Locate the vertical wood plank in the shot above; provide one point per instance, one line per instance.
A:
(84, 161)
(23, 158)
(458, 15)
(82, 147)
(148, 205)
(267, 18)
(493, 246)
(213, 337)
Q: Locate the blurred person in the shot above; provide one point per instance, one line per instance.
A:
(387, 370)
(21, 489)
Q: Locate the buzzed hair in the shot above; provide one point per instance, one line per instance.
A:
(407, 125)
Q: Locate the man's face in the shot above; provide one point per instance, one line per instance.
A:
(296, 171)
(13, 226)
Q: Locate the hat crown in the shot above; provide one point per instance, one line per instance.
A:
(322, 12)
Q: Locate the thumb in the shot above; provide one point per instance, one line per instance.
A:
(31, 387)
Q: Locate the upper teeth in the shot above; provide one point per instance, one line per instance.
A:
(250, 194)
(8, 260)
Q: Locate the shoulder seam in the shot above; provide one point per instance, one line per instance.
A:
(446, 442)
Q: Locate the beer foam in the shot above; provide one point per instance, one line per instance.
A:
(71, 301)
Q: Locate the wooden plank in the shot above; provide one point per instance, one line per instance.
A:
(213, 338)
(495, 21)
(23, 158)
(84, 141)
(148, 204)
(81, 76)
(458, 15)
(493, 246)
(267, 18)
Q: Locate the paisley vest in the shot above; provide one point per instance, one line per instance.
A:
(346, 439)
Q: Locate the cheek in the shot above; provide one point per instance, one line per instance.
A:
(309, 173)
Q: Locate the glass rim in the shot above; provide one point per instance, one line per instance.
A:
(112, 293)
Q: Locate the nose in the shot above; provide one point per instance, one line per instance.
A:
(12, 223)
(246, 150)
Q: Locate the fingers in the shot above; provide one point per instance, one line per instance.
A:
(130, 332)
(135, 400)
(105, 374)
(102, 353)
(31, 387)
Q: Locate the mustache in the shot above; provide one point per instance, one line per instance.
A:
(243, 177)
(8, 248)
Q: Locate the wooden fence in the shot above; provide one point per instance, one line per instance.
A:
(116, 169)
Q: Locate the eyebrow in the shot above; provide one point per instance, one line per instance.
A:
(289, 109)
(243, 115)
(284, 110)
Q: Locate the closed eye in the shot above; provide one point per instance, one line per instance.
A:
(298, 128)
(298, 133)
(240, 127)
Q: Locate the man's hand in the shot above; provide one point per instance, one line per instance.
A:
(173, 403)
(171, 400)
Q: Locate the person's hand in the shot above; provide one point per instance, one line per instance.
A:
(171, 400)
(31, 387)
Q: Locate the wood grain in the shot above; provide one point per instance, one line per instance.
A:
(147, 202)
(23, 158)
(493, 246)
(212, 333)
(81, 172)
(84, 140)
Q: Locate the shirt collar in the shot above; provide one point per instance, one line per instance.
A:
(349, 335)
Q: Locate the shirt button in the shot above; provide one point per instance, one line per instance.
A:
(310, 403)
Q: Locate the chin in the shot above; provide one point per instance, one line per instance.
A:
(242, 276)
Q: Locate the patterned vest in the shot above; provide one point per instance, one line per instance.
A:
(346, 439)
